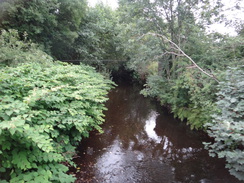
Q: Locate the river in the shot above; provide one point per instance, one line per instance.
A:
(143, 143)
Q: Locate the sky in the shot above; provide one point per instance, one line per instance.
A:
(215, 27)
(230, 15)
(112, 3)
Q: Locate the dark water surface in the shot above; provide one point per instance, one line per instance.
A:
(142, 143)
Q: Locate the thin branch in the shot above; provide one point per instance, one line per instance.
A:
(168, 52)
(173, 53)
(190, 67)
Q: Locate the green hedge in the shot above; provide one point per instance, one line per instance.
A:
(45, 111)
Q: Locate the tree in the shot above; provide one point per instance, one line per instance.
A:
(98, 38)
(52, 24)
(37, 18)
(176, 20)
(171, 33)
(70, 15)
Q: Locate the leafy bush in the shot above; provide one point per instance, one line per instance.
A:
(157, 87)
(193, 99)
(45, 111)
(227, 128)
(189, 98)
(15, 51)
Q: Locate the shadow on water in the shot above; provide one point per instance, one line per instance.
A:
(143, 143)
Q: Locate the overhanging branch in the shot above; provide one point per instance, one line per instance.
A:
(182, 53)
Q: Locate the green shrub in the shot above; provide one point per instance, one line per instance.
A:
(227, 128)
(45, 111)
(189, 98)
(193, 99)
(14, 51)
(157, 87)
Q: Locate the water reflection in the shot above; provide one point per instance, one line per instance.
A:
(117, 164)
(141, 143)
(150, 126)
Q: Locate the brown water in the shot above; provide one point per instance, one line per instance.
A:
(142, 143)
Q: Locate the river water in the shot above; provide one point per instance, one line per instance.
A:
(143, 143)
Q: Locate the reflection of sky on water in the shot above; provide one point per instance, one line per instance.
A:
(111, 158)
(118, 163)
(150, 126)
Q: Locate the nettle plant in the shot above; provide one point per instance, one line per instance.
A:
(45, 111)
(227, 128)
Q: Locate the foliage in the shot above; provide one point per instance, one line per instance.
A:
(98, 38)
(97, 33)
(37, 18)
(227, 126)
(174, 20)
(189, 94)
(189, 98)
(69, 29)
(53, 24)
(45, 111)
(219, 52)
(193, 99)
(14, 51)
(135, 20)
(70, 15)
(179, 85)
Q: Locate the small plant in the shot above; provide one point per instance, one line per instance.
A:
(45, 111)
(227, 128)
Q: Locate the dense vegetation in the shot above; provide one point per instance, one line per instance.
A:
(166, 43)
(46, 109)
(227, 127)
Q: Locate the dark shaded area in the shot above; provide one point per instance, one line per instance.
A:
(143, 143)
(122, 75)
